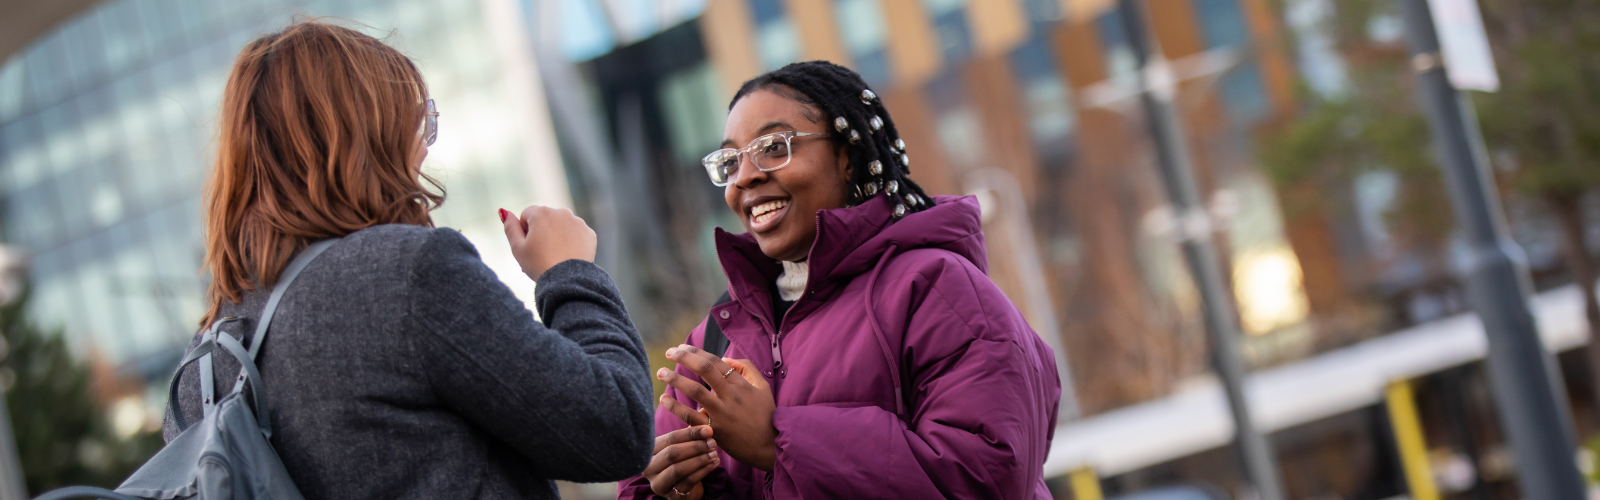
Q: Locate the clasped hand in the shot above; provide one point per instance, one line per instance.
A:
(738, 406)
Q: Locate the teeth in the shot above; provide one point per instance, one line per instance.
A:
(764, 211)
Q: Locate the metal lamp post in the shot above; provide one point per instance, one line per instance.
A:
(1194, 225)
(1531, 400)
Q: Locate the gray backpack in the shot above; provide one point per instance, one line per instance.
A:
(227, 454)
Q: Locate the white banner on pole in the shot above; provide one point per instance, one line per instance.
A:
(1467, 59)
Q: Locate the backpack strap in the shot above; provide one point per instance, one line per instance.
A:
(715, 342)
(207, 382)
(284, 279)
(85, 492)
(208, 340)
(247, 369)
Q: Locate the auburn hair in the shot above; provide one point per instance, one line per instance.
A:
(319, 137)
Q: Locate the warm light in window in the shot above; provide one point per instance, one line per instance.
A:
(1267, 284)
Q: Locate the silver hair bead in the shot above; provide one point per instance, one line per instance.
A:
(892, 188)
(855, 137)
(867, 96)
(877, 123)
(899, 210)
(910, 199)
(875, 167)
(905, 160)
(915, 200)
(900, 145)
(840, 124)
(871, 188)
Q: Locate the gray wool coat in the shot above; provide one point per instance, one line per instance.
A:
(399, 366)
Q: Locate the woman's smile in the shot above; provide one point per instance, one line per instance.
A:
(766, 215)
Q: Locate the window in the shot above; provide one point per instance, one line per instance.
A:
(13, 83)
(1244, 95)
(584, 32)
(23, 164)
(950, 23)
(778, 43)
(777, 40)
(1119, 58)
(1222, 22)
(861, 24)
(694, 113)
(1046, 97)
(124, 40)
(1319, 60)
(957, 123)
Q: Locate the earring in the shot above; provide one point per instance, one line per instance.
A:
(867, 96)
(840, 124)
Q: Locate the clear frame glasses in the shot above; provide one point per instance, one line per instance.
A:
(768, 152)
(430, 123)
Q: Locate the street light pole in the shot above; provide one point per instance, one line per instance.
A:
(1157, 89)
(1531, 399)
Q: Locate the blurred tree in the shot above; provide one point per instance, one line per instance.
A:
(1542, 126)
(64, 434)
(1371, 123)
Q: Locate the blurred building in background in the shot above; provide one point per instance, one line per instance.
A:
(1338, 239)
(1307, 144)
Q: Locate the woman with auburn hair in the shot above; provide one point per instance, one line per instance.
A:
(398, 365)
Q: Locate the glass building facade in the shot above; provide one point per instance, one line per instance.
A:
(108, 124)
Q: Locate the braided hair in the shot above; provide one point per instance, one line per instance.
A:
(857, 120)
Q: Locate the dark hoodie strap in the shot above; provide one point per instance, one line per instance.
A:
(715, 342)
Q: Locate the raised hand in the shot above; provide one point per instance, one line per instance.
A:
(543, 237)
(738, 407)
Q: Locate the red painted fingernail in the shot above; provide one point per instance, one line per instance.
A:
(503, 215)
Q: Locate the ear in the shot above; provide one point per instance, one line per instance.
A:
(841, 158)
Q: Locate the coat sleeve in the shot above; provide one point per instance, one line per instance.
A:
(718, 485)
(572, 395)
(975, 421)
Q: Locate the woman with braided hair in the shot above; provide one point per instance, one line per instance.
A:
(868, 353)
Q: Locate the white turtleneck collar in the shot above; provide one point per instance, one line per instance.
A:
(792, 283)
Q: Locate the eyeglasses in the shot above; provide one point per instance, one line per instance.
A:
(768, 152)
(430, 124)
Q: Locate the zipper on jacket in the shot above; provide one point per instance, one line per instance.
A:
(777, 353)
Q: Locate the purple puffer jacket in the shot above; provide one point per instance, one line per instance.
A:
(903, 372)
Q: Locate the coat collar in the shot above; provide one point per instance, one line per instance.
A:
(849, 242)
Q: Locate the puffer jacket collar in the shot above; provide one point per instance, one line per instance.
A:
(850, 242)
